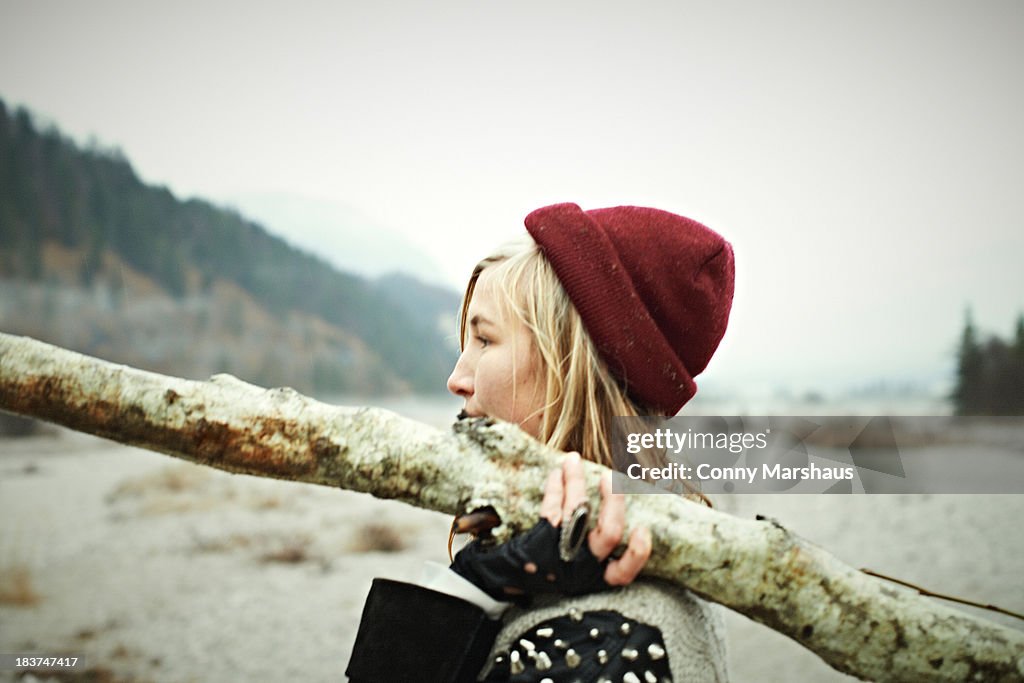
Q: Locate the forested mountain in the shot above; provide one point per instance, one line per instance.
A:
(92, 257)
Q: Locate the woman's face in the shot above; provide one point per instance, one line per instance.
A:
(498, 374)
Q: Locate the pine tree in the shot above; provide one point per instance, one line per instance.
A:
(990, 376)
(967, 395)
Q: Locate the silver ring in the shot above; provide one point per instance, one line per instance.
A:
(574, 532)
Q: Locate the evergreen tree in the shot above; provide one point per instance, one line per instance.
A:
(966, 394)
(990, 376)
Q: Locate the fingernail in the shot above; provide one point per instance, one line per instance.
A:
(573, 457)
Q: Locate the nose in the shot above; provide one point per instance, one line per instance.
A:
(460, 382)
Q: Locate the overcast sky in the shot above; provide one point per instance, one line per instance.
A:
(866, 159)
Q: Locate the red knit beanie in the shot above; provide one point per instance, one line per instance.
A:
(654, 291)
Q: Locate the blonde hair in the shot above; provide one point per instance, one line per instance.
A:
(581, 395)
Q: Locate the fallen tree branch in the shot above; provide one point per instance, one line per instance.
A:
(856, 623)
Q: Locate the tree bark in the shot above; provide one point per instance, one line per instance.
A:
(856, 623)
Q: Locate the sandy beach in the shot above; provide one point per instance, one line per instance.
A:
(162, 571)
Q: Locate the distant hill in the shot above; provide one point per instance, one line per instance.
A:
(96, 260)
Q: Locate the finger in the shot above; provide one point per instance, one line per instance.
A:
(611, 521)
(551, 504)
(575, 483)
(622, 571)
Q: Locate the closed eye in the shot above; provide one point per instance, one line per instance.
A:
(483, 341)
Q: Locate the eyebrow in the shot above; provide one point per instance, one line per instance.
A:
(477, 319)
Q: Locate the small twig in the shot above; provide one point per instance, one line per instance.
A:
(951, 598)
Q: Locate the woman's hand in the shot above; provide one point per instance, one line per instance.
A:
(566, 489)
(532, 563)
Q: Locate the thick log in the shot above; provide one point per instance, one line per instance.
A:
(856, 623)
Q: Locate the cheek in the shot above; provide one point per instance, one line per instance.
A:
(530, 377)
(530, 389)
(494, 376)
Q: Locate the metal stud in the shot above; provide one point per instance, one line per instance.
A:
(602, 679)
(527, 645)
(630, 677)
(655, 651)
(649, 677)
(575, 614)
(572, 660)
(561, 644)
(546, 680)
(515, 663)
(630, 654)
(499, 659)
(625, 628)
(602, 657)
(543, 661)
(545, 632)
(595, 633)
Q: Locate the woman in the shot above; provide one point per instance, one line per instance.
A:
(601, 313)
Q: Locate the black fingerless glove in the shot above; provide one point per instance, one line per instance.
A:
(502, 571)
